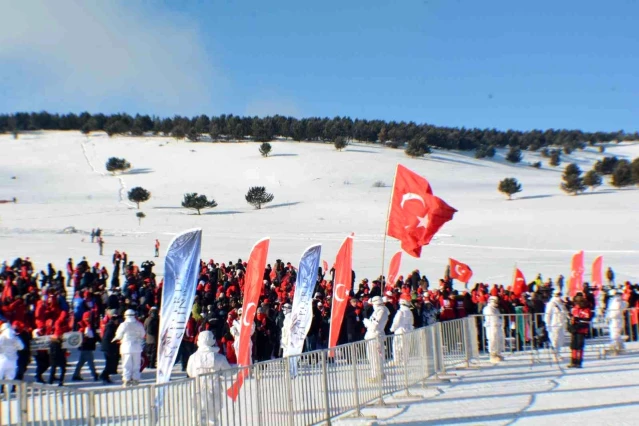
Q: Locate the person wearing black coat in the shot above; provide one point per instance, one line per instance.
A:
(353, 322)
(111, 350)
(152, 330)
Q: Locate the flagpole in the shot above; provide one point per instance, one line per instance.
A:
(390, 203)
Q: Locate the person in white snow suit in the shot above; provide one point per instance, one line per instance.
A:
(493, 323)
(375, 325)
(10, 344)
(207, 359)
(555, 318)
(402, 323)
(235, 331)
(285, 339)
(131, 335)
(614, 315)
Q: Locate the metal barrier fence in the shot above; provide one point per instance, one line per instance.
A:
(310, 388)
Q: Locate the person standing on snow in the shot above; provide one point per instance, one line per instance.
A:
(580, 325)
(555, 318)
(493, 323)
(614, 315)
(374, 333)
(157, 248)
(402, 323)
(206, 360)
(10, 344)
(130, 334)
(101, 245)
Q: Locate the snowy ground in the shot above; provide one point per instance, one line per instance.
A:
(604, 392)
(321, 195)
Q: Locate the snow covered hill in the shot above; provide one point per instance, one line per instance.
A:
(321, 195)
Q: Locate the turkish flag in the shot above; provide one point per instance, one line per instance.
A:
(519, 283)
(597, 274)
(460, 271)
(393, 270)
(415, 214)
(252, 290)
(341, 288)
(576, 281)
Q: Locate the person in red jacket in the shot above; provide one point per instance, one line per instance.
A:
(447, 312)
(580, 325)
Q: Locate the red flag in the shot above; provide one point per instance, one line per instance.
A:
(519, 283)
(576, 281)
(252, 290)
(325, 266)
(393, 270)
(341, 288)
(416, 214)
(460, 271)
(597, 274)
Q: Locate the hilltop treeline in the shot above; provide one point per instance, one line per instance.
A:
(233, 127)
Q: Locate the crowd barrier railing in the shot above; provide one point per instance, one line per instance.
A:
(310, 388)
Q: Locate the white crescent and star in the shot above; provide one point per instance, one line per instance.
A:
(457, 269)
(338, 297)
(411, 196)
(248, 313)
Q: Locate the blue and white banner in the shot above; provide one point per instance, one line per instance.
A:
(302, 309)
(181, 271)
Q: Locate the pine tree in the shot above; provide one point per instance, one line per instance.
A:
(635, 170)
(592, 179)
(340, 143)
(509, 186)
(514, 154)
(178, 132)
(115, 164)
(606, 165)
(555, 157)
(257, 196)
(197, 202)
(265, 149)
(192, 135)
(214, 131)
(140, 216)
(573, 182)
(622, 174)
(139, 195)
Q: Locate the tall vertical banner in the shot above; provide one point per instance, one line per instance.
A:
(181, 271)
(302, 309)
(341, 288)
(393, 270)
(597, 275)
(252, 290)
(576, 283)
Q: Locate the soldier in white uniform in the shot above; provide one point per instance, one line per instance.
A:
(614, 315)
(374, 334)
(556, 318)
(10, 344)
(493, 323)
(204, 361)
(402, 323)
(131, 335)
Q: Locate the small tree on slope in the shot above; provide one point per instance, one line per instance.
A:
(140, 216)
(622, 174)
(197, 202)
(573, 182)
(340, 143)
(257, 196)
(265, 149)
(592, 179)
(514, 154)
(139, 195)
(509, 186)
(115, 164)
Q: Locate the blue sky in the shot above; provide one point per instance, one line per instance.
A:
(491, 63)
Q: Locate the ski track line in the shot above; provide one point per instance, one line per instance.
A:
(121, 198)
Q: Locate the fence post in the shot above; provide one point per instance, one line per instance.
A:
(151, 404)
(440, 352)
(325, 384)
(466, 339)
(354, 362)
(286, 363)
(91, 408)
(405, 355)
(257, 374)
(23, 401)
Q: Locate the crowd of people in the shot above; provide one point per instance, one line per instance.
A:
(115, 309)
